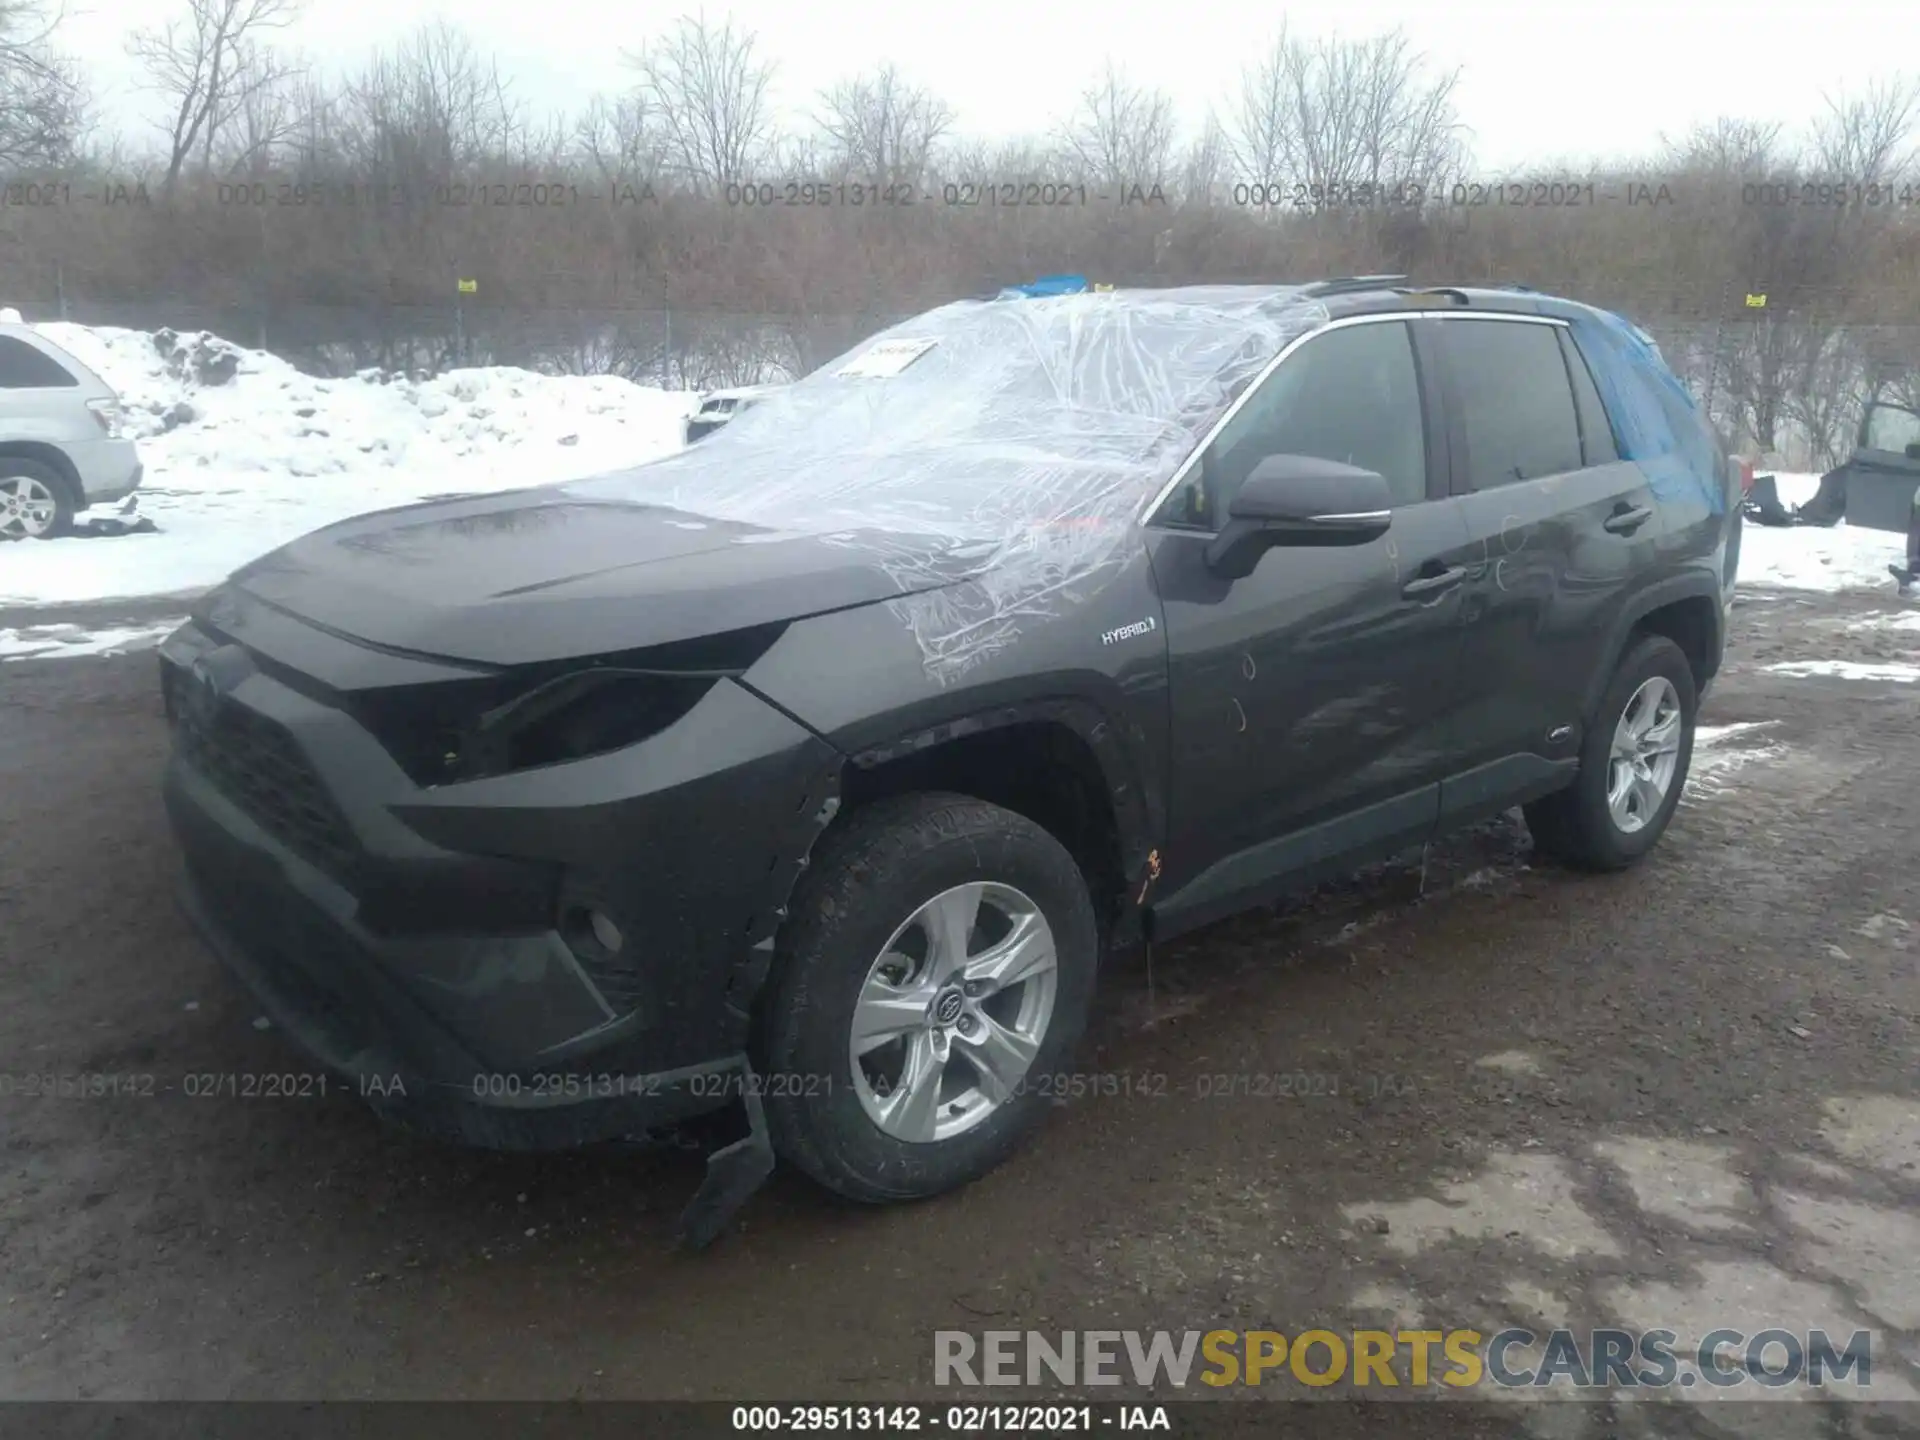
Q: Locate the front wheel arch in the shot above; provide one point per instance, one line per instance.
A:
(892, 857)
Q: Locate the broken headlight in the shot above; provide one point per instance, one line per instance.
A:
(551, 714)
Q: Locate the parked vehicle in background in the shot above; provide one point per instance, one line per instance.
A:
(62, 447)
(818, 765)
(717, 407)
(1878, 486)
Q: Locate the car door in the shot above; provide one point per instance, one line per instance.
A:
(1885, 469)
(1310, 699)
(1558, 526)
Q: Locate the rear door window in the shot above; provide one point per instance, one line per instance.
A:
(1516, 402)
(25, 367)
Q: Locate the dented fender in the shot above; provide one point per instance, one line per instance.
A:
(860, 680)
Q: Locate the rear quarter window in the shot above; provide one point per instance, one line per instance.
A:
(1657, 423)
(1596, 430)
(26, 367)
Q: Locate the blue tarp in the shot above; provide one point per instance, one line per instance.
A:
(1047, 285)
(1655, 421)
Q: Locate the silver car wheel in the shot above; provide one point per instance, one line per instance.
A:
(1646, 750)
(953, 1011)
(27, 507)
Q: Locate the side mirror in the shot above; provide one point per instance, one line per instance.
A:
(1299, 500)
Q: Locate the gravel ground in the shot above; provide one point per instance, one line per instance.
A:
(1685, 1097)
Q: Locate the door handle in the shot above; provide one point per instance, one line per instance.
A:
(1625, 522)
(1424, 585)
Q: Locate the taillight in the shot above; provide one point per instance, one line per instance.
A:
(107, 414)
(1744, 468)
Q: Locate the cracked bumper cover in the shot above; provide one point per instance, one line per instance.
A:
(427, 960)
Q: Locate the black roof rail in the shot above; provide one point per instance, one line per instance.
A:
(1349, 283)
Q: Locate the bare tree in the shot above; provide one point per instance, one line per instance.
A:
(265, 114)
(1205, 165)
(617, 138)
(973, 160)
(1121, 134)
(42, 100)
(1345, 113)
(429, 110)
(710, 94)
(1727, 147)
(1866, 138)
(1824, 395)
(882, 128)
(1259, 124)
(207, 65)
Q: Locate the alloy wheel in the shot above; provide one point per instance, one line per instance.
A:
(1645, 753)
(953, 1011)
(27, 507)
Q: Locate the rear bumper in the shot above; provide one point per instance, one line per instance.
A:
(107, 469)
(441, 976)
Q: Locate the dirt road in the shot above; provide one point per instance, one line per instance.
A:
(1684, 1097)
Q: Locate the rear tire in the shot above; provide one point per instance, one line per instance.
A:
(36, 502)
(879, 935)
(1617, 809)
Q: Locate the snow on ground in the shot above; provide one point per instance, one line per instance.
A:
(1721, 751)
(56, 642)
(1848, 670)
(1887, 620)
(1807, 557)
(235, 469)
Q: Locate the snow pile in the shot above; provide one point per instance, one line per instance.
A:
(1807, 557)
(244, 453)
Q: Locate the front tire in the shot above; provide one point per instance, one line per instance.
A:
(1633, 765)
(941, 952)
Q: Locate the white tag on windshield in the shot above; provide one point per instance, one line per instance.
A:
(889, 357)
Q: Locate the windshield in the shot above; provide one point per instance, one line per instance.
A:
(1022, 436)
(970, 417)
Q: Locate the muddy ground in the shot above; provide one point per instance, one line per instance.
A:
(1683, 1097)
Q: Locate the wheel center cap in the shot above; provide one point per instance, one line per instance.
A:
(947, 1007)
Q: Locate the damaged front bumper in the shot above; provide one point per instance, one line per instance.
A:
(436, 946)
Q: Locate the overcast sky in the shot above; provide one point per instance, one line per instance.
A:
(1540, 80)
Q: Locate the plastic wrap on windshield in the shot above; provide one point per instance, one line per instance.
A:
(1655, 420)
(1016, 439)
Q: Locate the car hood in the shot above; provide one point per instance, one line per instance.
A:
(542, 574)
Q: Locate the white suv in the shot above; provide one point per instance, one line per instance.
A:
(62, 447)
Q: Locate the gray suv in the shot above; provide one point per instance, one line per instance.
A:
(62, 445)
(822, 762)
